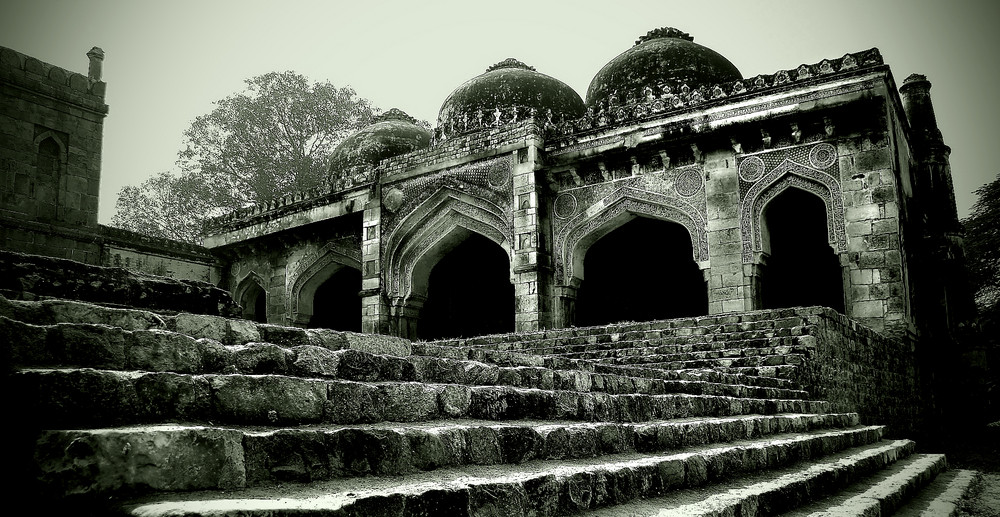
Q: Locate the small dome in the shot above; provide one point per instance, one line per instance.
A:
(663, 57)
(507, 84)
(393, 133)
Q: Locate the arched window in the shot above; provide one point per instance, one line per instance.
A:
(48, 170)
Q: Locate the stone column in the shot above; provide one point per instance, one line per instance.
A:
(374, 307)
(729, 281)
(530, 258)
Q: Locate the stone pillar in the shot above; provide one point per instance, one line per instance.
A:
(564, 310)
(374, 306)
(530, 258)
(729, 282)
(95, 69)
(946, 302)
(405, 317)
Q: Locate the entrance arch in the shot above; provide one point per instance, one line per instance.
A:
(468, 291)
(640, 270)
(326, 293)
(252, 297)
(335, 302)
(799, 265)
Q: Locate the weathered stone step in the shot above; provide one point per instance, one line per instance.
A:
(173, 458)
(99, 346)
(942, 497)
(664, 344)
(639, 356)
(880, 494)
(541, 488)
(504, 358)
(696, 374)
(88, 398)
(754, 361)
(771, 493)
(630, 331)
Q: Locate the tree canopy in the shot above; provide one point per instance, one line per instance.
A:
(982, 242)
(271, 139)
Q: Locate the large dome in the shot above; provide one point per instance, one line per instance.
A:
(507, 84)
(393, 133)
(663, 57)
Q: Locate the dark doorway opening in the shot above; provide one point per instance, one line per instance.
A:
(469, 292)
(641, 271)
(336, 304)
(801, 269)
(254, 302)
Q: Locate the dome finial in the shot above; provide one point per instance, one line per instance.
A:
(664, 32)
(510, 63)
(395, 114)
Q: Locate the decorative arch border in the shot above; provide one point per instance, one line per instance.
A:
(307, 279)
(634, 201)
(791, 175)
(430, 225)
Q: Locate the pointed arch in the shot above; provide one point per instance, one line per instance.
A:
(613, 211)
(791, 175)
(252, 297)
(328, 262)
(435, 227)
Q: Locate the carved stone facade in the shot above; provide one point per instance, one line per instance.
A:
(545, 186)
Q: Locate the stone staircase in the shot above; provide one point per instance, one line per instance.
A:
(133, 412)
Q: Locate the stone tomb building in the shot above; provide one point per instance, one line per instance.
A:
(677, 188)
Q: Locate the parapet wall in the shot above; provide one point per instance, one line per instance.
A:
(156, 256)
(857, 369)
(32, 277)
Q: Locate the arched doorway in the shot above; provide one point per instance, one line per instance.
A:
(469, 292)
(800, 268)
(643, 270)
(253, 298)
(336, 304)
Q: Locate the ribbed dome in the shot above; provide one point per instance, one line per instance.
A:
(393, 133)
(508, 84)
(663, 57)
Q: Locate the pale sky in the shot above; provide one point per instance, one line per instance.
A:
(168, 61)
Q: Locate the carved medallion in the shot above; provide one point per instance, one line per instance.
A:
(565, 206)
(688, 182)
(498, 174)
(393, 199)
(751, 169)
(822, 155)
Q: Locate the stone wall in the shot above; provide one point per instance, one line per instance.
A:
(156, 256)
(33, 277)
(857, 369)
(50, 154)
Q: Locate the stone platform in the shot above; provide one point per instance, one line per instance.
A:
(135, 412)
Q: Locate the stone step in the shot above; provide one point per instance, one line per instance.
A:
(99, 346)
(631, 331)
(541, 488)
(663, 344)
(880, 494)
(557, 363)
(754, 361)
(173, 457)
(695, 374)
(714, 349)
(635, 356)
(89, 398)
(942, 497)
(774, 492)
